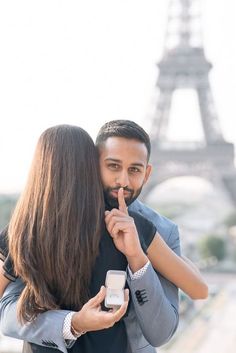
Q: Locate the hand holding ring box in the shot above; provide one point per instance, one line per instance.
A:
(115, 283)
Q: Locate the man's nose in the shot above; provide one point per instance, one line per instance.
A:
(122, 179)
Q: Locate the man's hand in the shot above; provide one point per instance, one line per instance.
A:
(92, 318)
(122, 228)
(124, 233)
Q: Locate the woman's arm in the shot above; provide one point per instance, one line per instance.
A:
(180, 271)
(3, 280)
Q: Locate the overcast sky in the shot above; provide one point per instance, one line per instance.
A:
(87, 62)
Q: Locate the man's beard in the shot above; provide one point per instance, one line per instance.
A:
(112, 201)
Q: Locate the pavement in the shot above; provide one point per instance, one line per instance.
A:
(213, 330)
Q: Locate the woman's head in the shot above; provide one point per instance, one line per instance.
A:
(55, 230)
(64, 169)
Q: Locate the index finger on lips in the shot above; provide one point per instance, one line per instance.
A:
(121, 201)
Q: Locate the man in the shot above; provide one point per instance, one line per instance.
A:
(124, 150)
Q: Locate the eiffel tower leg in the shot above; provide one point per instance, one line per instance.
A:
(209, 117)
(161, 120)
(230, 185)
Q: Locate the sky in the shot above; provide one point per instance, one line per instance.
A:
(88, 62)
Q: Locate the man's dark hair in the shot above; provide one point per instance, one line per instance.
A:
(123, 128)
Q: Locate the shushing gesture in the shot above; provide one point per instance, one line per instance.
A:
(122, 229)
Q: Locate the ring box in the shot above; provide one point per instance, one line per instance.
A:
(115, 283)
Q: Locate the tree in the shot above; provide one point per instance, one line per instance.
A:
(231, 220)
(7, 203)
(212, 245)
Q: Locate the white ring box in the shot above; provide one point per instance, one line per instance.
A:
(115, 283)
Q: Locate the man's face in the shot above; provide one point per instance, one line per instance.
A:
(123, 163)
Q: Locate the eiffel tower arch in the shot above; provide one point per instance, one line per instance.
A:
(184, 65)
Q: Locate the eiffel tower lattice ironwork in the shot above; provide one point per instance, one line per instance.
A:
(184, 65)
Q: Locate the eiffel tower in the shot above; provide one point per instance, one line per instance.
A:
(184, 65)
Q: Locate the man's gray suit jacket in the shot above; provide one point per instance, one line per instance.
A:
(152, 318)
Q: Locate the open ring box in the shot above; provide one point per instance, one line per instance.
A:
(115, 283)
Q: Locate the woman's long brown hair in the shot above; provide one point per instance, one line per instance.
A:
(55, 229)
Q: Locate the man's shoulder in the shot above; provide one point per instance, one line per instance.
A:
(163, 224)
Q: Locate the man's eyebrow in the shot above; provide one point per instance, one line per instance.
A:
(112, 160)
(136, 164)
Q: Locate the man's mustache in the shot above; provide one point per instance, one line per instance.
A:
(124, 188)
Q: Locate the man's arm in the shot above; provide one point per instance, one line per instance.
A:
(158, 316)
(155, 306)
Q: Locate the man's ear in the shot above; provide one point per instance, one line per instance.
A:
(148, 173)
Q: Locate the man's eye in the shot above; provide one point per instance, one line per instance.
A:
(134, 170)
(113, 166)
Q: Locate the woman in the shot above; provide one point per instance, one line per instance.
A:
(57, 237)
